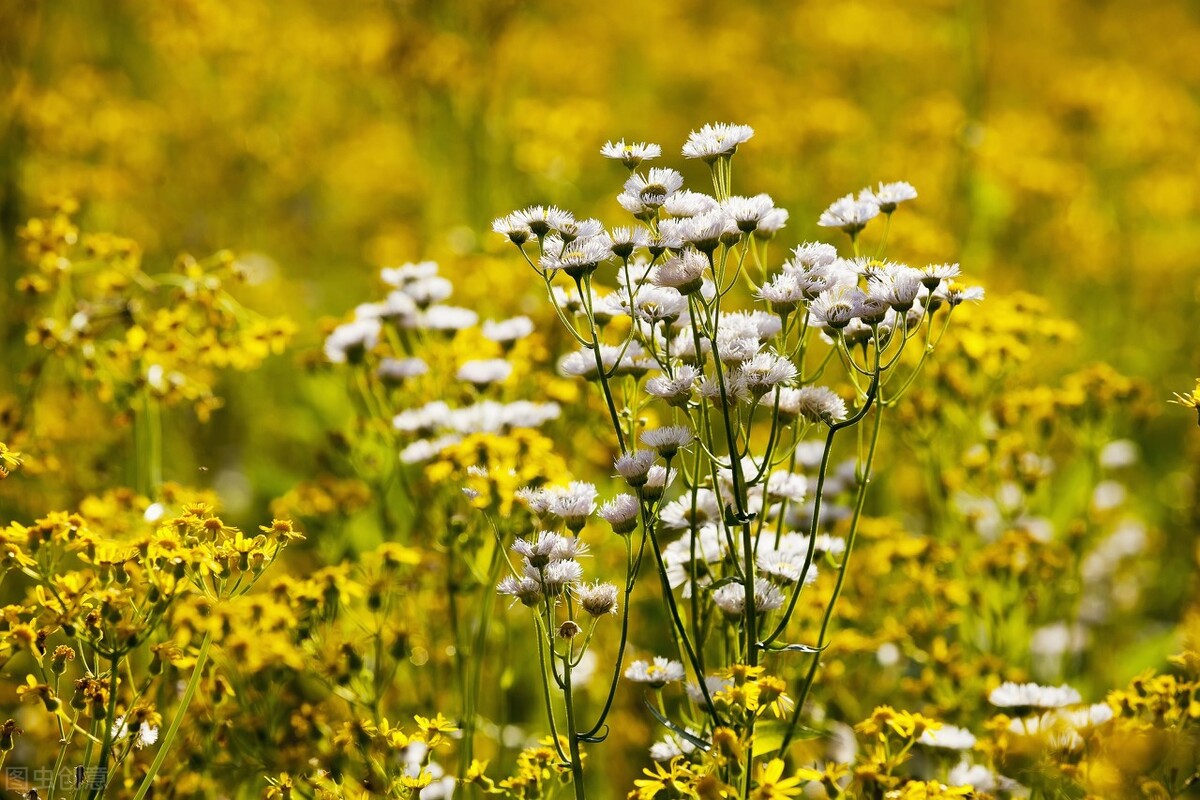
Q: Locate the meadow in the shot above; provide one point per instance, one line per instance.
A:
(561, 400)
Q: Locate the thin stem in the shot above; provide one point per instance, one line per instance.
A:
(110, 715)
(572, 734)
(185, 701)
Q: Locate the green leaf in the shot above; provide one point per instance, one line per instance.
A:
(768, 736)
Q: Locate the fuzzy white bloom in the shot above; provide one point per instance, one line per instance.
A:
(771, 223)
(731, 598)
(684, 273)
(631, 154)
(514, 227)
(933, 274)
(423, 420)
(395, 370)
(848, 214)
(484, 371)
(901, 286)
(557, 575)
(621, 513)
(625, 360)
(686, 203)
(424, 449)
(706, 231)
(598, 599)
(1010, 695)
(490, 416)
(735, 386)
(634, 467)
(523, 588)
(787, 565)
(675, 390)
(715, 140)
(1119, 453)
(427, 291)
(573, 503)
(577, 257)
(445, 318)
(660, 304)
(813, 403)
(548, 546)
(657, 674)
(350, 341)
(624, 240)
(568, 300)
(956, 294)
(1088, 717)
(784, 292)
(747, 212)
(977, 776)
(542, 220)
(653, 188)
(507, 331)
(408, 273)
(834, 309)
(812, 254)
(948, 737)
(397, 307)
(710, 548)
(673, 746)
(146, 734)
(784, 485)
(669, 440)
(678, 515)
(888, 195)
(713, 683)
(657, 480)
(765, 371)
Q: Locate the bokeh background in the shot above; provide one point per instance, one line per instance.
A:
(1053, 143)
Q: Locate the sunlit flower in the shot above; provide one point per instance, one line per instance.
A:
(888, 195)
(715, 140)
(632, 154)
(657, 674)
(848, 214)
(485, 371)
(669, 440)
(948, 737)
(621, 513)
(1014, 695)
(597, 599)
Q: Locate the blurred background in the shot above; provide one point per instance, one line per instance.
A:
(1053, 143)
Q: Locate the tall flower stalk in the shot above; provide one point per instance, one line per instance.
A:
(733, 359)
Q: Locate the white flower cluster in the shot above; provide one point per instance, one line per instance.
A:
(680, 307)
(414, 302)
(439, 426)
(1063, 722)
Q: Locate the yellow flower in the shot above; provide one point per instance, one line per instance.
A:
(662, 783)
(432, 730)
(769, 783)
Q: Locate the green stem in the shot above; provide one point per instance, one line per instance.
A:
(110, 716)
(169, 739)
(572, 734)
